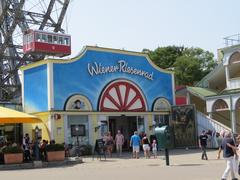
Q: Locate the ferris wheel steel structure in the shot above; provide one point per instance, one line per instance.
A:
(16, 17)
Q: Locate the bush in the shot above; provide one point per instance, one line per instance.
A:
(55, 147)
(86, 149)
(12, 150)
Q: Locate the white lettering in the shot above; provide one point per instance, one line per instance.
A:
(121, 67)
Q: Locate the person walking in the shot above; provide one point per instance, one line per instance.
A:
(26, 147)
(228, 148)
(119, 140)
(109, 144)
(135, 143)
(203, 144)
(146, 147)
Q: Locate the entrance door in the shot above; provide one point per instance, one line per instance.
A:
(126, 124)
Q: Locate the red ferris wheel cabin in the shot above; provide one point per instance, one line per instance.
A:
(49, 43)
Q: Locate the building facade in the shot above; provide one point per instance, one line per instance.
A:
(218, 93)
(98, 91)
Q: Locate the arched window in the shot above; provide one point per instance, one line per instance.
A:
(78, 103)
(234, 65)
(161, 104)
(220, 105)
(238, 104)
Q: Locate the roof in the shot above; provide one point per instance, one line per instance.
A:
(8, 116)
(201, 92)
(94, 48)
(209, 75)
(230, 91)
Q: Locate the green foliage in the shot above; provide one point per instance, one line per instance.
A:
(187, 70)
(165, 57)
(55, 147)
(12, 150)
(189, 64)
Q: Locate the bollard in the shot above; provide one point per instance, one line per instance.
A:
(167, 156)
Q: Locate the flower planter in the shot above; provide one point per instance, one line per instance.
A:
(13, 158)
(56, 155)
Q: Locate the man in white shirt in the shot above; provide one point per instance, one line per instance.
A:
(119, 139)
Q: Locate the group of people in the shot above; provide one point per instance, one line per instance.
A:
(109, 142)
(230, 146)
(136, 141)
(36, 149)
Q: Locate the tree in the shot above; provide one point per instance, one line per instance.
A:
(205, 58)
(189, 64)
(187, 70)
(165, 57)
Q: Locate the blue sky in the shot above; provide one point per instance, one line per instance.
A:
(137, 24)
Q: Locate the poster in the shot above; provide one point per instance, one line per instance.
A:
(184, 126)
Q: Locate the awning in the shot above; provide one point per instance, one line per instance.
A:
(8, 116)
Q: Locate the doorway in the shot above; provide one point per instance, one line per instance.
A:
(127, 125)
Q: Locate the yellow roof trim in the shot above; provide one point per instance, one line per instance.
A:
(101, 49)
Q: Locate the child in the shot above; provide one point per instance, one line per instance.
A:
(154, 148)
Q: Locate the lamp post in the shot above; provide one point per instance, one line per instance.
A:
(77, 133)
(36, 145)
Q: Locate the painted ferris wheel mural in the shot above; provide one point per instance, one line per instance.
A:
(122, 96)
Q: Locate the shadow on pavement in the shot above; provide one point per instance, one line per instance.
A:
(188, 165)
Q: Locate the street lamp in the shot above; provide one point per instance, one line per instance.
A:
(77, 134)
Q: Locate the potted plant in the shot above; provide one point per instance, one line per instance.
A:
(13, 155)
(55, 152)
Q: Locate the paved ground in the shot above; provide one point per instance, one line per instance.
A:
(184, 165)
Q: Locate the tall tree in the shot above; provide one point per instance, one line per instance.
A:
(189, 64)
(187, 70)
(165, 57)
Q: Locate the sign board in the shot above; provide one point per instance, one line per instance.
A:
(78, 130)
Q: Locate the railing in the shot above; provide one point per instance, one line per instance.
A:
(232, 40)
(234, 83)
(208, 123)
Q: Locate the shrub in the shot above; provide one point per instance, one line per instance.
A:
(12, 150)
(55, 147)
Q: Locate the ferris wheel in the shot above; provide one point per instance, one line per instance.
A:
(16, 18)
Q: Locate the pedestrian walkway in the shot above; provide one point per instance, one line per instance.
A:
(184, 165)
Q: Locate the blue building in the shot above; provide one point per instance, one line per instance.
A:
(98, 91)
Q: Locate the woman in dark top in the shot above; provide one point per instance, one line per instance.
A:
(146, 147)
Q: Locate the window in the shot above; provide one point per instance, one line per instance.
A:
(38, 37)
(77, 120)
(60, 40)
(220, 105)
(66, 41)
(161, 120)
(55, 39)
(50, 39)
(29, 38)
(44, 38)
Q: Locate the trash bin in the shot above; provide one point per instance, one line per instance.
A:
(164, 136)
